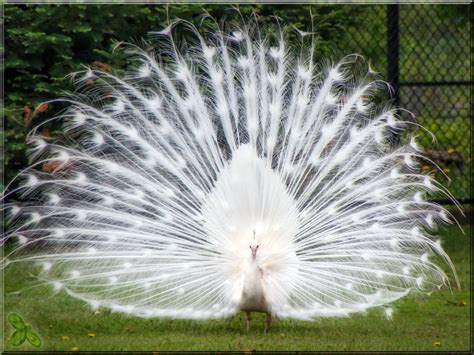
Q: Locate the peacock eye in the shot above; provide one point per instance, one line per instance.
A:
(257, 246)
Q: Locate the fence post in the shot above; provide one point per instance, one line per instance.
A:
(393, 49)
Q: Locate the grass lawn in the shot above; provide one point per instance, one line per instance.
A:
(437, 322)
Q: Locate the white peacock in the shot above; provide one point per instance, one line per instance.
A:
(230, 175)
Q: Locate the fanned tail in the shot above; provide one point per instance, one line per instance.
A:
(168, 173)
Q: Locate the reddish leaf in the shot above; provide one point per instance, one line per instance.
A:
(42, 107)
(52, 166)
(46, 132)
(26, 116)
(102, 66)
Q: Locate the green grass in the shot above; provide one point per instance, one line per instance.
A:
(418, 322)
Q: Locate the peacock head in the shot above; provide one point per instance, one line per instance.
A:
(254, 247)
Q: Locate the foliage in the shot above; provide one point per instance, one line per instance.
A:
(45, 43)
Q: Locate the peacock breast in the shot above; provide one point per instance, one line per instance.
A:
(253, 294)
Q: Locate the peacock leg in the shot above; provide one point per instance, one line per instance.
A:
(249, 318)
(268, 322)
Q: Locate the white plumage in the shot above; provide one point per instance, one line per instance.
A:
(230, 175)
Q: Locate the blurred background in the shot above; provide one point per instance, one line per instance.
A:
(422, 50)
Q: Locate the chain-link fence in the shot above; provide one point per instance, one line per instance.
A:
(424, 52)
